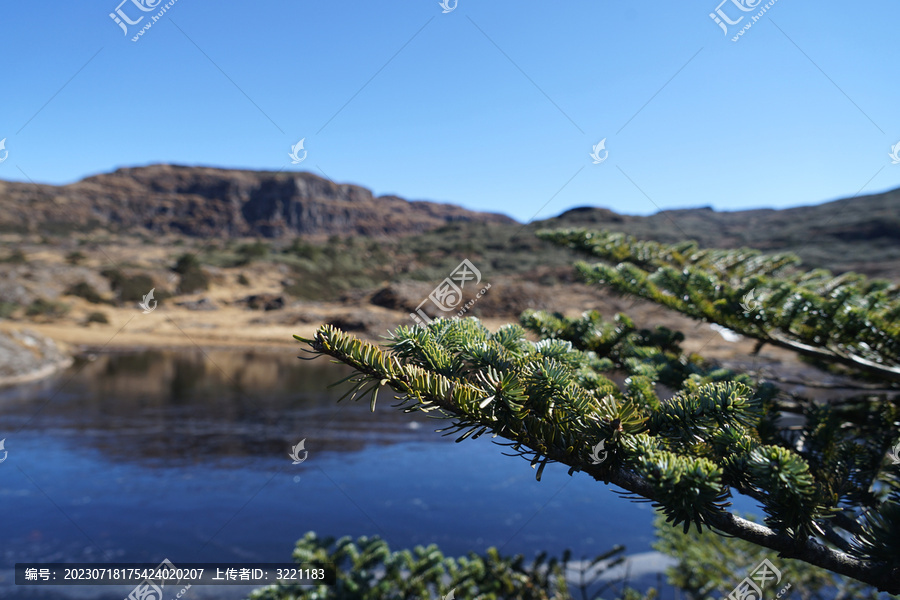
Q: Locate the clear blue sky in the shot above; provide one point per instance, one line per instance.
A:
(494, 106)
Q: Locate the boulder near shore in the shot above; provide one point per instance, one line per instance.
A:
(28, 356)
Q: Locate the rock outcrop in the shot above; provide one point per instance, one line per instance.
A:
(27, 356)
(203, 201)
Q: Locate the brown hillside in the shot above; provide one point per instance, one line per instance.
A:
(852, 234)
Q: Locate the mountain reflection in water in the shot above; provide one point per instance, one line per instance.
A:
(182, 406)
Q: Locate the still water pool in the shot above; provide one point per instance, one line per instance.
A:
(162, 454)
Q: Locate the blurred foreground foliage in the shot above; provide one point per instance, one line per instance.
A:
(367, 569)
(708, 567)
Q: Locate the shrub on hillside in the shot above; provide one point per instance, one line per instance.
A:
(250, 252)
(135, 287)
(7, 309)
(50, 309)
(75, 257)
(131, 288)
(85, 290)
(304, 250)
(193, 277)
(16, 257)
(186, 263)
(193, 281)
(97, 317)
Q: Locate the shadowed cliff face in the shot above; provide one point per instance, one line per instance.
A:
(201, 201)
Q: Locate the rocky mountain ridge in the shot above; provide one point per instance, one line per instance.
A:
(859, 233)
(204, 201)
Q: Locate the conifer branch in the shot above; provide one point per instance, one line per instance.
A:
(553, 403)
(847, 320)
